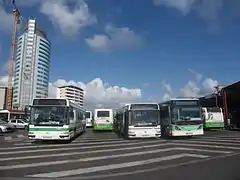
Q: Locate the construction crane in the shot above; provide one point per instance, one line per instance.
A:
(16, 20)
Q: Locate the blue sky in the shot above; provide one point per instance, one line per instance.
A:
(156, 46)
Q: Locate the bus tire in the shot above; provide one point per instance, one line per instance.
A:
(74, 133)
(84, 129)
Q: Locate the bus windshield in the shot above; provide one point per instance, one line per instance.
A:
(87, 114)
(49, 115)
(144, 117)
(214, 109)
(103, 114)
(185, 113)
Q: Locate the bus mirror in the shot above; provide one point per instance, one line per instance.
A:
(27, 110)
(71, 114)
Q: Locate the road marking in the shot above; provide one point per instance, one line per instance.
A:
(113, 166)
(85, 152)
(204, 145)
(79, 141)
(8, 138)
(60, 145)
(219, 140)
(95, 158)
(88, 159)
(221, 137)
(72, 148)
(175, 165)
(20, 136)
(204, 142)
(108, 150)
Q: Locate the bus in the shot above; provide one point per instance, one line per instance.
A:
(213, 117)
(89, 118)
(55, 119)
(138, 120)
(7, 115)
(181, 117)
(103, 119)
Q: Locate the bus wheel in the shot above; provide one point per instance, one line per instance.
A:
(125, 137)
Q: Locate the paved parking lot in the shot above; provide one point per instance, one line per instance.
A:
(106, 156)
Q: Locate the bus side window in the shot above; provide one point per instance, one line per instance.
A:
(71, 113)
(81, 115)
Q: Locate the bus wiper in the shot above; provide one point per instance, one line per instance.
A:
(186, 118)
(146, 124)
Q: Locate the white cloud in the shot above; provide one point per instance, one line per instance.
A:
(114, 39)
(3, 80)
(192, 89)
(5, 20)
(182, 5)
(209, 84)
(97, 93)
(100, 94)
(198, 76)
(70, 21)
(189, 90)
(169, 93)
(207, 9)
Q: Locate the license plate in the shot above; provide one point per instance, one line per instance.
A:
(47, 137)
(145, 135)
(189, 133)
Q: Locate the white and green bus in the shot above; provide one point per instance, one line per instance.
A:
(55, 119)
(138, 120)
(213, 117)
(89, 118)
(103, 119)
(181, 117)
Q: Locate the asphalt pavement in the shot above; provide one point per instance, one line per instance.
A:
(104, 155)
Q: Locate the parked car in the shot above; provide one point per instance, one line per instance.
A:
(19, 123)
(6, 127)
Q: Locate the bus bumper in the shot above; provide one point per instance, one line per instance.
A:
(144, 133)
(49, 136)
(187, 133)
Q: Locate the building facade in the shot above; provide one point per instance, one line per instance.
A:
(73, 93)
(3, 97)
(31, 76)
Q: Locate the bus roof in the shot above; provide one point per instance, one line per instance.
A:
(103, 109)
(68, 102)
(140, 103)
(178, 99)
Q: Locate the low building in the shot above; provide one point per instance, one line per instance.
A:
(73, 93)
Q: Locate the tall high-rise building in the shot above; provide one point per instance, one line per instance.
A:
(31, 76)
(73, 93)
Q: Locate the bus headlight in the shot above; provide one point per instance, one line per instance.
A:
(131, 132)
(65, 133)
(177, 128)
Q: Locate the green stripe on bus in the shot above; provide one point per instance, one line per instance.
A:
(103, 127)
(186, 128)
(214, 124)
